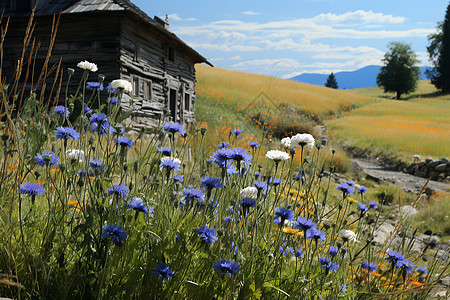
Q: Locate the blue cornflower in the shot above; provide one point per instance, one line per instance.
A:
(373, 205)
(231, 170)
(345, 188)
(372, 267)
(96, 163)
(282, 214)
(119, 190)
(90, 85)
(421, 270)
(333, 250)
(406, 265)
(239, 154)
(178, 178)
(362, 189)
(31, 189)
(246, 204)
(97, 118)
(207, 234)
(112, 100)
(364, 265)
(227, 219)
(315, 234)
(117, 233)
(169, 163)
(394, 257)
(173, 127)
(287, 251)
(261, 186)
(257, 175)
(61, 110)
(304, 224)
(237, 131)
(166, 151)
(211, 182)
(350, 183)
(253, 144)
(46, 158)
(328, 265)
(87, 110)
(163, 270)
(229, 267)
(192, 194)
(223, 145)
(220, 157)
(275, 181)
(343, 288)
(124, 142)
(64, 133)
(299, 253)
(102, 128)
(138, 205)
(362, 207)
(110, 89)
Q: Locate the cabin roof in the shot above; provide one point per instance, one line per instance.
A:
(51, 7)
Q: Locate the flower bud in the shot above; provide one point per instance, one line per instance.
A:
(70, 71)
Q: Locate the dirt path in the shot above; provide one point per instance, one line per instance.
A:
(407, 182)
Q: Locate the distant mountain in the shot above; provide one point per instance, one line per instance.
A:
(364, 77)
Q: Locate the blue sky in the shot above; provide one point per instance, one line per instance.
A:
(284, 38)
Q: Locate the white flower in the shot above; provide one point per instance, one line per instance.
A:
(286, 142)
(348, 235)
(85, 65)
(302, 139)
(122, 84)
(75, 154)
(408, 211)
(249, 192)
(277, 155)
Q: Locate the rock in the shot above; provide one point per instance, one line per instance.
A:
(373, 178)
(428, 232)
(441, 167)
(417, 244)
(383, 233)
(444, 160)
(443, 254)
(440, 294)
(432, 240)
(445, 281)
(429, 160)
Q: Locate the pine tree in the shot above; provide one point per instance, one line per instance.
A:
(331, 82)
(440, 44)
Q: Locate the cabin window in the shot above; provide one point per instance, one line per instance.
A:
(173, 104)
(135, 81)
(187, 102)
(148, 90)
(171, 54)
(137, 52)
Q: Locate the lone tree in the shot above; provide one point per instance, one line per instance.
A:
(331, 82)
(399, 74)
(439, 54)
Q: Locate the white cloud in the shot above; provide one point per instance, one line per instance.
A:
(250, 13)
(236, 57)
(175, 17)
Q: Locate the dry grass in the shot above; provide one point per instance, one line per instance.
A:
(417, 126)
(310, 99)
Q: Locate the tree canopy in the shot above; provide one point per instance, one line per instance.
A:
(331, 82)
(399, 74)
(439, 54)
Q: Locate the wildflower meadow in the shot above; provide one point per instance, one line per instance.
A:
(89, 210)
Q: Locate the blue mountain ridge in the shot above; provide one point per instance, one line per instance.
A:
(364, 77)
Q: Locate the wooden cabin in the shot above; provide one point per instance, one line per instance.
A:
(123, 41)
